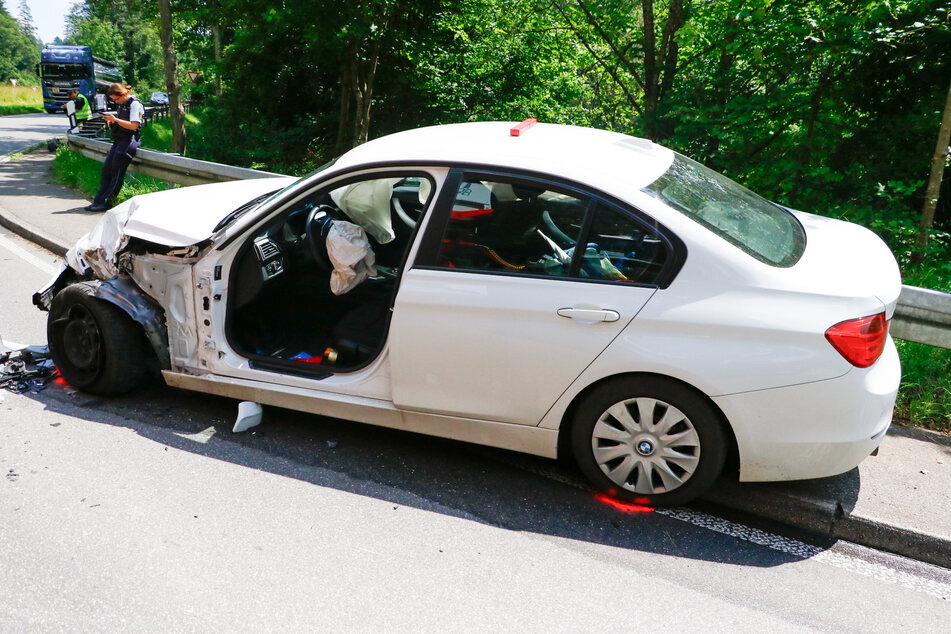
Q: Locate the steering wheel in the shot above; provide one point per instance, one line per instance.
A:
(405, 217)
(319, 221)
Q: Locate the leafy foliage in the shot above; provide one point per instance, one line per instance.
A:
(19, 49)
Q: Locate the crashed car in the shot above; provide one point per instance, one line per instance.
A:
(553, 290)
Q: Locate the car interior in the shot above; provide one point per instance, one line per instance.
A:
(283, 313)
(528, 229)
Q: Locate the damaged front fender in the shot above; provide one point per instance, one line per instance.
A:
(123, 292)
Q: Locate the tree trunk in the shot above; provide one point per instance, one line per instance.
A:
(349, 76)
(934, 182)
(361, 129)
(216, 33)
(176, 111)
(651, 85)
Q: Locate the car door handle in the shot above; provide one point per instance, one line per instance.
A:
(587, 314)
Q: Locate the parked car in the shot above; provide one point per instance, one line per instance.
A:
(159, 99)
(554, 290)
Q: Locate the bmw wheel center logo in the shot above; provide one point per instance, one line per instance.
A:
(645, 448)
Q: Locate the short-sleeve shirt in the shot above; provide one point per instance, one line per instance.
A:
(137, 112)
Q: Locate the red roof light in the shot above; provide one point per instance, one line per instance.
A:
(521, 127)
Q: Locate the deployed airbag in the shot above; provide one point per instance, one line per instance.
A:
(367, 203)
(350, 253)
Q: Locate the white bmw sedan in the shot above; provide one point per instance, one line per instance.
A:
(554, 290)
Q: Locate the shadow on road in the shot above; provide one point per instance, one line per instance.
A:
(495, 487)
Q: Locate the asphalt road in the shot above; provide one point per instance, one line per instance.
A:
(20, 131)
(145, 512)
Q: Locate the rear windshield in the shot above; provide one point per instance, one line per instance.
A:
(762, 229)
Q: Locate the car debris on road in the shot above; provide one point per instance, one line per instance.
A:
(27, 369)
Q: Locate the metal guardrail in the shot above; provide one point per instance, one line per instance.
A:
(160, 111)
(169, 167)
(922, 315)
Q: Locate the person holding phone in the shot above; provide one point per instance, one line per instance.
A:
(126, 127)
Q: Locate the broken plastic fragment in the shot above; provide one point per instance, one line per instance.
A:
(249, 415)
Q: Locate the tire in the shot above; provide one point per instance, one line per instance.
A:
(669, 461)
(96, 346)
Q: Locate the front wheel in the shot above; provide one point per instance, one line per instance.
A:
(649, 440)
(96, 346)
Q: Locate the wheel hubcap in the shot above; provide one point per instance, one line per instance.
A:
(81, 341)
(646, 445)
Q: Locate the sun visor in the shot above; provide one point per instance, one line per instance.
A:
(350, 252)
(367, 203)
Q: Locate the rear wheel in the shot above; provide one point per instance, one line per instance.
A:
(649, 440)
(97, 347)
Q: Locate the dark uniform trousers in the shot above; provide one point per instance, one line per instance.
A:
(113, 169)
(124, 145)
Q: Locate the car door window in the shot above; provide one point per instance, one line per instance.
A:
(511, 227)
(621, 249)
(523, 228)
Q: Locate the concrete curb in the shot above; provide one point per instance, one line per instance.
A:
(831, 520)
(31, 233)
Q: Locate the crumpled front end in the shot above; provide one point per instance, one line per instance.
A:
(96, 251)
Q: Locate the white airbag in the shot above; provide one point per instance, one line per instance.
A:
(367, 203)
(349, 251)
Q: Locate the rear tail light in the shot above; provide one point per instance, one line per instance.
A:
(861, 341)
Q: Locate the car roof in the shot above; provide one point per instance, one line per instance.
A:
(595, 157)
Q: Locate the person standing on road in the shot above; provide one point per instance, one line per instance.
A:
(83, 109)
(126, 126)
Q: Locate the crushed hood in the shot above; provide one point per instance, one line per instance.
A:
(173, 218)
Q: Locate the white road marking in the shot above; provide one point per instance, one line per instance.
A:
(796, 548)
(814, 553)
(26, 256)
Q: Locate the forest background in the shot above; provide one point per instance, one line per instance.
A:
(830, 106)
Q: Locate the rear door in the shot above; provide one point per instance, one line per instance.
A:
(518, 285)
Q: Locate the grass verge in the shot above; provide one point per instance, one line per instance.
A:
(75, 170)
(20, 100)
(924, 399)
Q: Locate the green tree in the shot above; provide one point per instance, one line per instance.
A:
(177, 112)
(125, 31)
(19, 53)
(101, 35)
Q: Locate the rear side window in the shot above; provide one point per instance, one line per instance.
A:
(524, 228)
(758, 227)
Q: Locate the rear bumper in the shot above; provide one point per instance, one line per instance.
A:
(817, 429)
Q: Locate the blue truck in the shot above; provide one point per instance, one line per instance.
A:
(65, 68)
